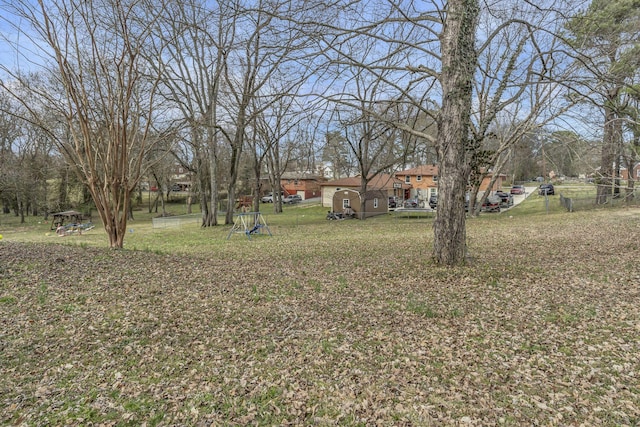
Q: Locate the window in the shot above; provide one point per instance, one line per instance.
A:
(345, 203)
(375, 203)
(419, 178)
(407, 179)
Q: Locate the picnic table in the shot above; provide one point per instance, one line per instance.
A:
(69, 222)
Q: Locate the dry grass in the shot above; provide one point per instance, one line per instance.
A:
(332, 323)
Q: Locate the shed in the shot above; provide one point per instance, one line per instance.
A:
(376, 202)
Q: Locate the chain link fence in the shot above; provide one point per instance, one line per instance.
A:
(583, 202)
(176, 221)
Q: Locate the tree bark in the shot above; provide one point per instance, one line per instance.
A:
(612, 133)
(459, 60)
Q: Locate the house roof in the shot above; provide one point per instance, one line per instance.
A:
(369, 194)
(424, 170)
(381, 181)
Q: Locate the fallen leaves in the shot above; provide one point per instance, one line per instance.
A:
(538, 331)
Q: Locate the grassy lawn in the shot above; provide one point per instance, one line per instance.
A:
(325, 323)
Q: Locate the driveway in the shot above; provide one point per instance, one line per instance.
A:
(519, 198)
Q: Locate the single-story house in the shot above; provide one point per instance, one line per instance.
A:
(391, 186)
(484, 185)
(376, 202)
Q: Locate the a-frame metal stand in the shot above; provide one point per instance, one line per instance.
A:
(249, 223)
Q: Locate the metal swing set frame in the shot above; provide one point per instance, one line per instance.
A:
(249, 223)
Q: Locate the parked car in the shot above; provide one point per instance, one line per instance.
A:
(393, 203)
(268, 198)
(291, 199)
(433, 201)
(506, 199)
(517, 189)
(492, 204)
(411, 203)
(546, 190)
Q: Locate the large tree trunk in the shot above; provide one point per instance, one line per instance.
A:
(459, 60)
(231, 188)
(114, 217)
(612, 134)
(210, 211)
(364, 183)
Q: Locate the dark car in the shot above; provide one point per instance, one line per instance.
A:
(492, 204)
(291, 199)
(393, 203)
(411, 203)
(517, 189)
(506, 199)
(433, 201)
(546, 190)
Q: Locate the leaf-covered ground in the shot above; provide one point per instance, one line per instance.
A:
(352, 325)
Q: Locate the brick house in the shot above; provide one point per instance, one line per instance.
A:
(423, 181)
(624, 172)
(305, 185)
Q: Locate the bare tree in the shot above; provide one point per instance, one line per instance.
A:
(605, 36)
(420, 54)
(100, 90)
(366, 63)
(376, 146)
(459, 61)
(519, 88)
(431, 59)
(631, 154)
(191, 54)
(221, 65)
(10, 131)
(26, 162)
(270, 49)
(271, 144)
(336, 152)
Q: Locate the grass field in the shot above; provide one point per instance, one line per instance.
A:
(325, 323)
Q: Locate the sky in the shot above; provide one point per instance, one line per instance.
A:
(24, 59)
